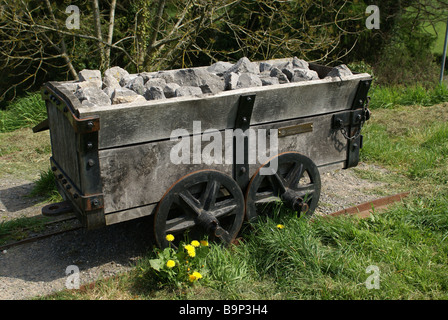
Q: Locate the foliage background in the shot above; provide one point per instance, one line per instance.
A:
(152, 35)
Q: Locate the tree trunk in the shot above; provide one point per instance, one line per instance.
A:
(98, 34)
(111, 32)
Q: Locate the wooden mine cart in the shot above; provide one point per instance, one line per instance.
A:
(112, 163)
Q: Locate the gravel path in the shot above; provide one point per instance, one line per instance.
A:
(39, 268)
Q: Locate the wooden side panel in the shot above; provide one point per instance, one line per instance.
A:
(139, 175)
(155, 120)
(63, 143)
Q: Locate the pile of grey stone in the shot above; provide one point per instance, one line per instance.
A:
(117, 86)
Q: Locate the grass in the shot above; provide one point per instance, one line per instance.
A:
(413, 141)
(385, 97)
(20, 228)
(24, 153)
(23, 113)
(326, 259)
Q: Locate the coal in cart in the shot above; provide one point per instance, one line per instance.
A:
(195, 147)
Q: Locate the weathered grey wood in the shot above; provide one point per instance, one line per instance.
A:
(155, 120)
(139, 212)
(126, 215)
(63, 143)
(139, 175)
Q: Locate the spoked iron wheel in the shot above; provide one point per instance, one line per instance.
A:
(205, 202)
(295, 180)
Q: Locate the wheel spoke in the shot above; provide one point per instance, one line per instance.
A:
(294, 174)
(278, 182)
(208, 197)
(178, 224)
(224, 208)
(265, 197)
(305, 191)
(187, 200)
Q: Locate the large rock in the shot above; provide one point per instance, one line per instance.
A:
(277, 73)
(212, 84)
(244, 66)
(219, 67)
(168, 76)
(125, 95)
(147, 75)
(155, 82)
(137, 85)
(170, 89)
(109, 91)
(124, 82)
(110, 81)
(268, 81)
(248, 80)
(188, 91)
(92, 96)
(116, 72)
(231, 80)
(339, 71)
(154, 93)
(304, 75)
(187, 77)
(299, 63)
(90, 77)
(265, 67)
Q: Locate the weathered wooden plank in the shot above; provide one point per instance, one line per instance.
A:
(147, 210)
(126, 124)
(126, 215)
(139, 175)
(63, 143)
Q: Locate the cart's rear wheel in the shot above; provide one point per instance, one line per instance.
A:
(293, 178)
(205, 202)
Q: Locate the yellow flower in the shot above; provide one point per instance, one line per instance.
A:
(192, 253)
(204, 243)
(169, 237)
(170, 264)
(195, 243)
(280, 226)
(190, 250)
(195, 276)
(191, 277)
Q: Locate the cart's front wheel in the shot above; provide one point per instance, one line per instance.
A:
(289, 177)
(205, 202)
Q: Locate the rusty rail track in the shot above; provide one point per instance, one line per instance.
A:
(362, 210)
(365, 209)
(44, 235)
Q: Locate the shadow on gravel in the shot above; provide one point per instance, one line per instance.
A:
(17, 198)
(96, 253)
